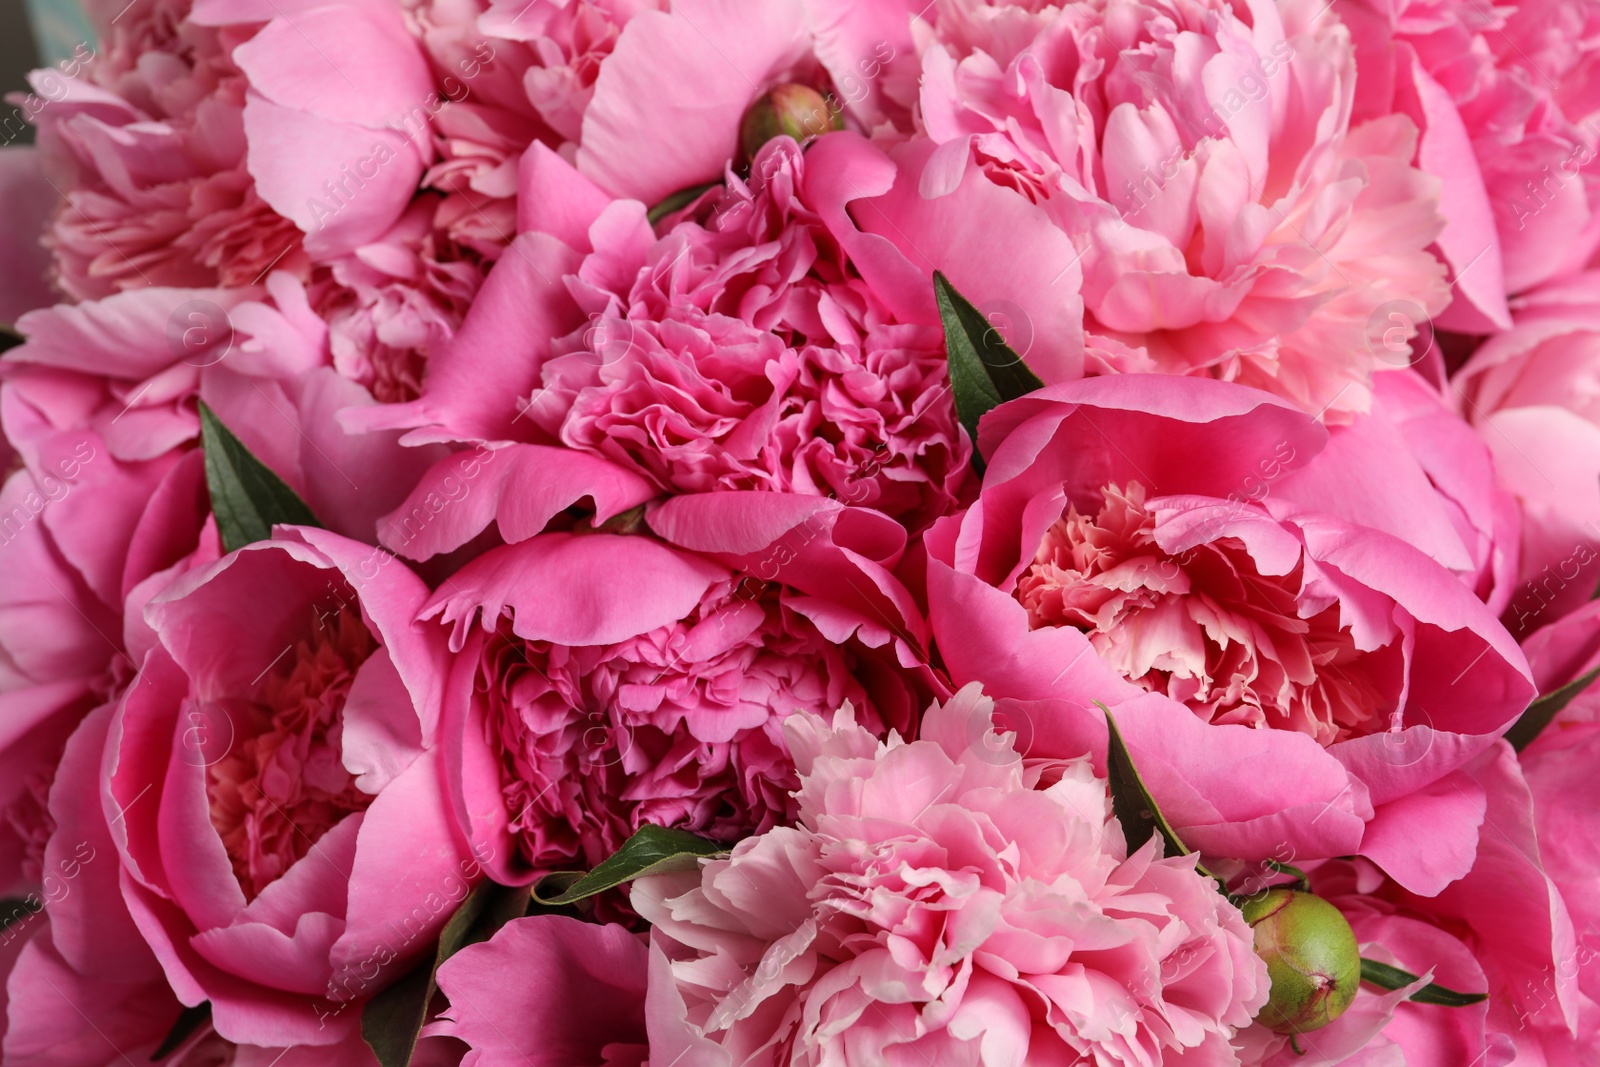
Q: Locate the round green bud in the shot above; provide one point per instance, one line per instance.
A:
(790, 109)
(1311, 955)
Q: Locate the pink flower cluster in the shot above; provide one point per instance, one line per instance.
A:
(450, 446)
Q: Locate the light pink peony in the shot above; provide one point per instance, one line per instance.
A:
(607, 681)
(1230, 218)
(1253, 589)
(941, 900)
(1533, 394)
(146, 140)
(1505, 99)
(260, 778)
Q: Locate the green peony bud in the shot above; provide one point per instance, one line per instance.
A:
(798, 111)
(1312, 959)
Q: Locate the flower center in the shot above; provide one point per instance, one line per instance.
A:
(284, 785)
(1204, 627)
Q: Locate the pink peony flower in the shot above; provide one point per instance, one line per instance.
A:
(740, 351)
(548, 991)
(120, 377)
(82, 987)
(1504, 97)
(1533, 394)
(1504, 928)
(589, 703)
(1240, 580)
(1230, 219)
(263, 774)
(146, 140)
(942, 898)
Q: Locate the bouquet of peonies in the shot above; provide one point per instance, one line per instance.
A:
(803, 533)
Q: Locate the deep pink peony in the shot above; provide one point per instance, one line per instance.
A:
(1252, 589)
(941, 901)
(261, 776)
(82, 988)
(1533, 394)
(1504, 928)
(1231, 220)
(548, 991)
(605, 681)
(742, 350)
(1505, 100)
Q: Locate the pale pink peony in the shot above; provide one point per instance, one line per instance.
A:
(618, 682)
(146, 141)
(516, 72)
(205, 148)
(1505, 96)
(939, 900)
(1230, 219)
(1533, 394)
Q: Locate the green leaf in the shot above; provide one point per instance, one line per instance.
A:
(1135, 808)
(1542, 710)
(653, 850)
(984, 370)
(678, 200)
(9, 338)
(1386, 977)
(246, 497)
(189, 1021)
(392, 1019)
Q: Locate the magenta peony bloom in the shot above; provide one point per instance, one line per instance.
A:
(740, 351)
(943, 901)
(548, 991)
(1533, 394)
(616, 681)
(1251, 587)
(1230, 219)
(1506, 928)
(1504, 96)
(261, 774)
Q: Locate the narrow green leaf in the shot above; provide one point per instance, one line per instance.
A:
(392, 1019)
(653, 850)
(678, 200)
(1132, 803)
(246, 497)
(984, 370)
(9, 338)
(189, 1021)
(1542, 710)
(1386, 977)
